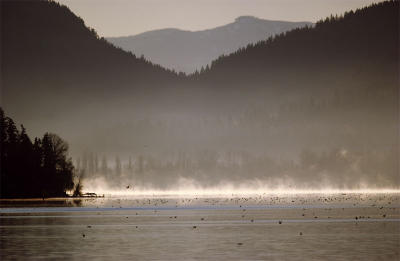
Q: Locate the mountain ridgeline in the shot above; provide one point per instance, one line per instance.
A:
(366, 39)
(310, 108)
(188, 51)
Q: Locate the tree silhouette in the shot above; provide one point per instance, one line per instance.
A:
(37, 169)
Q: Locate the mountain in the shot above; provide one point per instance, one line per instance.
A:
(358, 41)
(344, 71)
(187, 51)
(332, 85)
(52, 64)
(316, 105)
(312, 106)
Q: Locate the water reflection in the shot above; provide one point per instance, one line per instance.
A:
(204, 229)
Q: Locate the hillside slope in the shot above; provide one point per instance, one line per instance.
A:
(51, 62)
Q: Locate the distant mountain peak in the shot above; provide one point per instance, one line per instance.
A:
(246, 19)
(188, 51)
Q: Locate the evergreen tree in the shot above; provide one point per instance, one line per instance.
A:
(104, 167)
(118, 168)
(34, 169)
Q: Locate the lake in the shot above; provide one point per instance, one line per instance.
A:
(339, 226)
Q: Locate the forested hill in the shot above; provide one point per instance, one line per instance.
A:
(363, 41)
(48, 52)
(46, 37)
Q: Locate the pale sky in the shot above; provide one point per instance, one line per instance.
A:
(130, 17)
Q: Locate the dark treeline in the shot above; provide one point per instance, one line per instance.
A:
(336, 168)
(33, 169)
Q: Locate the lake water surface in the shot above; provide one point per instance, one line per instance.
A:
(252, 227)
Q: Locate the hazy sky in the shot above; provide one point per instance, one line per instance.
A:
(129, 17)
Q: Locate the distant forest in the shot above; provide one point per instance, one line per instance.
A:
(337, 168)
(33, 169)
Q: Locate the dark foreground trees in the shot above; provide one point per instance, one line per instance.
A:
(32, 169)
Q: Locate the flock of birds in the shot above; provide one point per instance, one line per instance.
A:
(371, 206)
